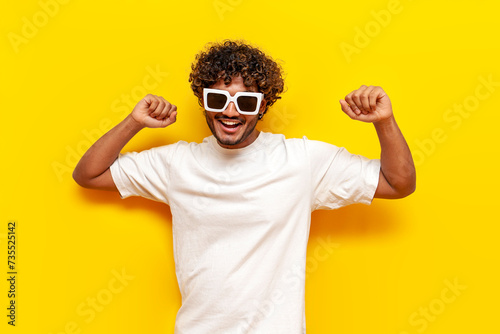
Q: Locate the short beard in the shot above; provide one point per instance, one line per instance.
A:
(250, 127)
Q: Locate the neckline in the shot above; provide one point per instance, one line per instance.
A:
(256, 144)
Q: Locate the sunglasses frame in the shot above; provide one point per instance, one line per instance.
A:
(233, 99)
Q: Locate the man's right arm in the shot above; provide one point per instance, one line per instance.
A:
(92, 171)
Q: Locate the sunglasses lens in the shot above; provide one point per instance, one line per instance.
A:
(216, 100)
(247, 103)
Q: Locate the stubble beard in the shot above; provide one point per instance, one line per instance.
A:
(233, 141)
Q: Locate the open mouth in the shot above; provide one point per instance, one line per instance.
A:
(229, 125)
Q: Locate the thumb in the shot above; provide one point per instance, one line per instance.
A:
(169, 120)
(172, 118)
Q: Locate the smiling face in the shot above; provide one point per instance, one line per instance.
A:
(230, 128)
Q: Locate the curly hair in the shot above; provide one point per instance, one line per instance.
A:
(235, 58)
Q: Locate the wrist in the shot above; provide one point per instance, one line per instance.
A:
(132, 124)
(386, 122)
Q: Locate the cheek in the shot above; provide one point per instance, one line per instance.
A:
(209, 115)
(251, 121)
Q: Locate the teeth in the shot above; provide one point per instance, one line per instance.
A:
(229, 123)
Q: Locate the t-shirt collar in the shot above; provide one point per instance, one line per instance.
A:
(256, 144)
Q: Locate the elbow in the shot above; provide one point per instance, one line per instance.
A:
(397, 186)
(412, 184)
(408, 183)
(408, 191)
(408, 188)
(79, 179)
(413, 187)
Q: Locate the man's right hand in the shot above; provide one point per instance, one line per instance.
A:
(154, 112)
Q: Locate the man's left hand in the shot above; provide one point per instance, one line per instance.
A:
(367, 104)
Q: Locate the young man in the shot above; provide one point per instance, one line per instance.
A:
(241, 200)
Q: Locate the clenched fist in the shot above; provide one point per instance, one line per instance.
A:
(154, 112)
(367, 104)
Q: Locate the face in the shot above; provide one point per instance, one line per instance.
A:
(230, 128)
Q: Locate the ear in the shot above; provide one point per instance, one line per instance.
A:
(263, 105)
(262, 109)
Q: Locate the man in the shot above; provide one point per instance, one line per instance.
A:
(241, 200)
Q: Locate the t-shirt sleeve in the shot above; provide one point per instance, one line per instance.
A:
(144, 174)
(339, 177)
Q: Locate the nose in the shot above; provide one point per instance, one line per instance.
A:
(231, 111)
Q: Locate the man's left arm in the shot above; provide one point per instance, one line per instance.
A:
(397, 171)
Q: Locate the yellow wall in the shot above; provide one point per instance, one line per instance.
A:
(71, 69)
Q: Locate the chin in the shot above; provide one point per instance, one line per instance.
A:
(225, 140)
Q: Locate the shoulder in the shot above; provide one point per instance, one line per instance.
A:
(304, 143)
(179, 146)
(302, 150)
(269, 138)
(163, 150)
(158, 153)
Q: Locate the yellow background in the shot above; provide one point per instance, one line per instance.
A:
(63, 81)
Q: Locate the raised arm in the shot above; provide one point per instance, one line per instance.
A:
(397, 172)
(92, 171)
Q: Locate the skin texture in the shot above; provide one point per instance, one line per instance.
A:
(245, 133)
(367, 104)
(92, 171)
(371, 104)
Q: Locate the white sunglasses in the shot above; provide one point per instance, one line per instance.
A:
(247, 103)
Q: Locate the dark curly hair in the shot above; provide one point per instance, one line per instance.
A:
(233, 58)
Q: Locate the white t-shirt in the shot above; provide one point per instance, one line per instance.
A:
(240, 220)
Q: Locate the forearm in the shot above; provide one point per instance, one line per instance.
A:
(104, 151)
(396, 161)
